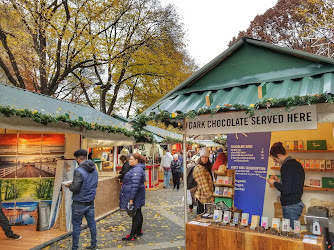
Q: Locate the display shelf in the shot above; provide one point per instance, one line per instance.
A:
(222, 196)
(313, 188)
(228, 173)
(310, 151)
(223, 185)
(309, 169)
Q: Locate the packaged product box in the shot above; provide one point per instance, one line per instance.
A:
(312, 163)
(226, 180)
(300, 145)
(218, 215)
(295, 145)
(225, 191)
(276, 223)
(221, 190)
(285, 225)
(327, 182)
(265, 222)
(229, 193)
(313, 182)
(255, 222)
(316, 145)
(332, 164)
(322, 164)
(230, 180)
(302, 162)
(220, 179)
(236, 218)
(317, 164)
(297, 226)
(244, 219)
(307, 163)
(289, 145)
(227, 217)
(217, 190)
(328, 164)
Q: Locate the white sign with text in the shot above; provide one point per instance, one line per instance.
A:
(273, 119)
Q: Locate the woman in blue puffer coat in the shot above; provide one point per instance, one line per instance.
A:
(133, 192)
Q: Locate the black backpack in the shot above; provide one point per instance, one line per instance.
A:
(190, 179)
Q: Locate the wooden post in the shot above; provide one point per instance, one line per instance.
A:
(185, 173)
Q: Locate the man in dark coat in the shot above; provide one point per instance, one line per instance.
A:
(84, 186)
(291, 183)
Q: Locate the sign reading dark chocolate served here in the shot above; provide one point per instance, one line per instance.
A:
(273, 119)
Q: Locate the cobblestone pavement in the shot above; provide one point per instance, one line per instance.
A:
(163, 225)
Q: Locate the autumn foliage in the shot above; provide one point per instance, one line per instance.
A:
(306, 25)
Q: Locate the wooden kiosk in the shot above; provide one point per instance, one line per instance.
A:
(254, 88)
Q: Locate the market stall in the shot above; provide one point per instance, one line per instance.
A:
(258, 94)
(39, 135)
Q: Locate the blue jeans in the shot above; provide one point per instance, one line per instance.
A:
(167, 174)
(293, 212)
(78, 212)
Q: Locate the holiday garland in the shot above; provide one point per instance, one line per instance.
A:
(44, 119)
(289, 103)
(168, 139)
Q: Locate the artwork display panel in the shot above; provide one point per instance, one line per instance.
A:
(26, 213)
(28, 164)
(7, 166)
(53, 144)
(29, 144)
(27, 190)
(8, 190)
(8, 144)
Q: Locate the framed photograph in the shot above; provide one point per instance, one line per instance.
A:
(8, 144)
(7, 167)
(53, 144)
(30, 144)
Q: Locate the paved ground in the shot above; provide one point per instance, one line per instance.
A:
(163, 225)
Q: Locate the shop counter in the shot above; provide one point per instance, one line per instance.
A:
(107, 195)
(232, 238)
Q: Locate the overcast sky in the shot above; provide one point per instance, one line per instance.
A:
(211, 24)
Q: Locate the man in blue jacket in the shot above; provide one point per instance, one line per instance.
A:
(84, 185)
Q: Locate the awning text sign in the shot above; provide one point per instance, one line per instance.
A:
(273, 119)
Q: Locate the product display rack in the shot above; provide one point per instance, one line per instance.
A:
(229, 200)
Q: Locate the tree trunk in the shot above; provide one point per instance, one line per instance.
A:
(131, 99)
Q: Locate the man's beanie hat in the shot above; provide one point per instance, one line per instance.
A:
(80, 152)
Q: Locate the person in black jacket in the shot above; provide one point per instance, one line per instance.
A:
(85, 179)
(291, 183)
(175, 166)
(126, 167)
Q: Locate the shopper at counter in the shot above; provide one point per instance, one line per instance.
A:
(202, 175)
(291, 183)
(133, 193)
(126, 167)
